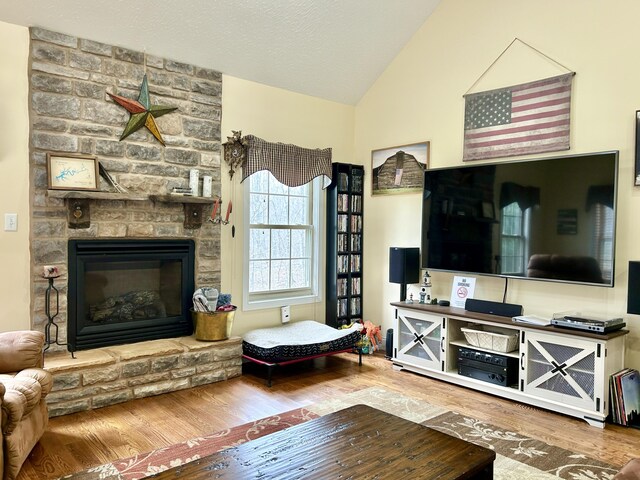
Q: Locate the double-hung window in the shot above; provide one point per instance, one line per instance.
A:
(603, 239)
(282, 242)
(513, 239)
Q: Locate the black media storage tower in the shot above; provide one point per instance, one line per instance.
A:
(344, 245)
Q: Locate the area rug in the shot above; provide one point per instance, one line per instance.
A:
(145, 464)
(517, 456)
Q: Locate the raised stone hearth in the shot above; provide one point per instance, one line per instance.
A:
(110, 375)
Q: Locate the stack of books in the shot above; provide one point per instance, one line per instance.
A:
(624, 388)
(185, 191)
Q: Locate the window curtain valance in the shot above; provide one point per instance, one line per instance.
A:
(602, 194)
(525, 197)
(290, 164)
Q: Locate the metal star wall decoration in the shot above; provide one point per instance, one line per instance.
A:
(143, 114)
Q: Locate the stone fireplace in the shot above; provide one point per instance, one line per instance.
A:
(123, 291)
(71, 112)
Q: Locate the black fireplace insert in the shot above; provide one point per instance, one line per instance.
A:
(126, 291)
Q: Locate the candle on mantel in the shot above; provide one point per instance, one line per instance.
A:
(226, 219)
(216, 204)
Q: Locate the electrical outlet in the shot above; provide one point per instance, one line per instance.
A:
(10, 222)
(285, 313)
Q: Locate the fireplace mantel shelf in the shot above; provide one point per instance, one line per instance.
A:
(79, 214)
(89, 195)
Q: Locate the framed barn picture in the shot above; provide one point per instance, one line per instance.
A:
(399, 169)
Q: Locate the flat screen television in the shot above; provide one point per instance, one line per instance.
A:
(546, 219)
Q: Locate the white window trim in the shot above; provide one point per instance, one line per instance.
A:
(278, 299)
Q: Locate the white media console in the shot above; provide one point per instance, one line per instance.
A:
(566, 371)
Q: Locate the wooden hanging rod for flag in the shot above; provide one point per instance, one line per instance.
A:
(516, 39)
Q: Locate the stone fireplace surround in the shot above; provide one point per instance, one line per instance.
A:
(70, 112)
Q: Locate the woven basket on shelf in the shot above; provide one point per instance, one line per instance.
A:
(498, 342)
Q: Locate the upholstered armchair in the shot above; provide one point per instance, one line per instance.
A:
(23, 388)
(631, 471)
(564, 267)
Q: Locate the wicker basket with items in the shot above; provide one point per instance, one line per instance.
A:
(480, 337)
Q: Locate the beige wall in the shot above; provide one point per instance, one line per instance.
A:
(275, 115)
(420, 97)
(14, 177)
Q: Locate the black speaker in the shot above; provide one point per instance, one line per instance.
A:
(633, 288)
(404, 265)
(493, 308)
(388, 354)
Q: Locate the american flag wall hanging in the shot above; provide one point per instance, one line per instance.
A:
(518, 120)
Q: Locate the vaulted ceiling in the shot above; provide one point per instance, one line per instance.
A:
(332, 49)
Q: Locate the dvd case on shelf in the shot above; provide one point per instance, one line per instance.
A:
(342, 287)
(356, 242)
(343, 223)
(355, 286)
(343, 202)
(357, 178)
(343, 182)
(356, 223)
(356, 204)
(342, 242)
(343, 263)
(355, 306)
(355, 263)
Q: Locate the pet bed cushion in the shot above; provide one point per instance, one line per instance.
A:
(298, 340)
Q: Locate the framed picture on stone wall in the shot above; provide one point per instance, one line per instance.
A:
(72, 172)
(399, 169)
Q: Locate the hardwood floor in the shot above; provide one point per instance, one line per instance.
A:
(75, 442)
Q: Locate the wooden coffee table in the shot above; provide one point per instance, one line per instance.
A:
(357, 442)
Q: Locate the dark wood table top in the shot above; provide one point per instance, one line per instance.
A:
(359, 442)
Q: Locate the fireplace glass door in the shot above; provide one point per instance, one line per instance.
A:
(128, 291)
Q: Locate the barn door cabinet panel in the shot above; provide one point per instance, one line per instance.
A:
(565, 370)
(419, 339)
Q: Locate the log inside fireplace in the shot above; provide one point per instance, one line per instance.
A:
(126, 291)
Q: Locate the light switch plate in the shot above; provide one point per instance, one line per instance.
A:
(10, 222)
